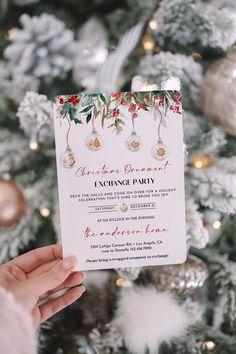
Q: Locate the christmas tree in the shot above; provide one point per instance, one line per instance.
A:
(53, 48)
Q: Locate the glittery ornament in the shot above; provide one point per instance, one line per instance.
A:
(159, 151)
(128, 275)
(69, 158)
(94, 141)
(218, 93)
(133, 142)
(12, 203)
(181, 278)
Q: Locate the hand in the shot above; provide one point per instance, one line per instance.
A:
(39, 273)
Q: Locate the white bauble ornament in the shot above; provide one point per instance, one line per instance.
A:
(133, 142)
(94, 141)
(159, 151)
(219, 93)
(69, 158)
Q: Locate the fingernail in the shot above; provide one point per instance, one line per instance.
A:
(69, 262)
(83, 288)
(84, 275)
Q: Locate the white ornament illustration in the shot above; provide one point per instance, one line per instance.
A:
(133, 142)
(69, 158)
(94, 141)
(160, 151)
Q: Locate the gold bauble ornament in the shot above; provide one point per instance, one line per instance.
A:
(12, 203)
(218, 93)
(181, 278)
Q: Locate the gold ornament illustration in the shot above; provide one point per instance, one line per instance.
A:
(94, 141)
(160, 151)
(133, 142)
(123, 207)
(68, 158)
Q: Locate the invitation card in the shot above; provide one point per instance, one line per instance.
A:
(120, 165)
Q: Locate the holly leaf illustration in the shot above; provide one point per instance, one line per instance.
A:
(103, 98)
(86, 109)
(65, 109)
(88, 118)
(78, 121)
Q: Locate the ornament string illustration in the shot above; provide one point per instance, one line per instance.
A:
(159, 150)
(133, 142)
(68, 158)
(94, 140)
(68, 133)
(159, 125)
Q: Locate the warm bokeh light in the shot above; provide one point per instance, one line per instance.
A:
(202, 161)
(33, 145)
(45, 212)
(120, 282)
(216, 224)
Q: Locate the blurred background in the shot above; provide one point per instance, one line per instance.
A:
(65, 47)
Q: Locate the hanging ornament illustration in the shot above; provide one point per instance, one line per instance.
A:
(134, 141)
(68, 158)
(94, 140)
(159, 150)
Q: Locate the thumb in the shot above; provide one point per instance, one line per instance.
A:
(49, 280)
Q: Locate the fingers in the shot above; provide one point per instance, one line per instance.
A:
(46, 281)
(43, 268)
(58, 304)
(31, 260)
(74, 279)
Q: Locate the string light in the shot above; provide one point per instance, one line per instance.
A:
(45, 212)
(148, 43)
(202, 161)
(120, 282)
(33, 145)
(216, 224)
(209, 345)
(196, 56)
(153, 25)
